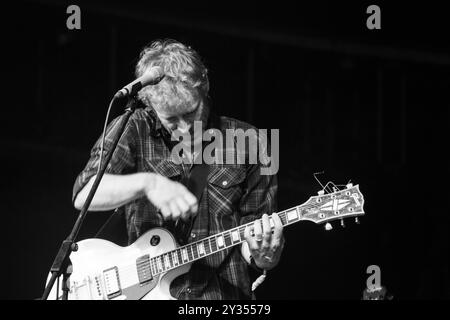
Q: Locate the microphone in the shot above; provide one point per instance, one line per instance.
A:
(152, 76)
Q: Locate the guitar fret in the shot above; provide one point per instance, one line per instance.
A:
(162, 263)
(180, 256)
(235, 236)
(195, 251)
(201, 249)
(166, 260)
(175, 258)
(170, 259)
(189, 251)
(283, 218)
(161, 259)
(242, 232)
(213, 245)
(158, 262)
(220, 241)
(185, 255)
(228, 241)
(207, 246)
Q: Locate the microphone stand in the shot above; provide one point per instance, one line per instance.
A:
(61, 265)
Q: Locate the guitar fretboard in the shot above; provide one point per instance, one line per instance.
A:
(150, 267)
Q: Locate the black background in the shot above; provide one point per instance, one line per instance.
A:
(370, 106)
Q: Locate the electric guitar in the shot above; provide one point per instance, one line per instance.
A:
(101, 270)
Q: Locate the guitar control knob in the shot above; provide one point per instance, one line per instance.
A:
(154, 241)
(357, 220)
(342, 224)
(328, 226)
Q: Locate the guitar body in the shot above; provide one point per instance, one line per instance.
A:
(94, 256)
(101, 270)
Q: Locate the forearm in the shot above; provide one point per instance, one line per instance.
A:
(114, 191)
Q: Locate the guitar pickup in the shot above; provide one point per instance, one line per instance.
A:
(143, 269)
(112, 282)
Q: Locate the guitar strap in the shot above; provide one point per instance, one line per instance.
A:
(195, 182)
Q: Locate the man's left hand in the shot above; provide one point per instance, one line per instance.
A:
(264, 243)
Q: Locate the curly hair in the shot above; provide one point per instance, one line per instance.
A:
(186, 77)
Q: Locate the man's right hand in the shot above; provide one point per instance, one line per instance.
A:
(172, 198)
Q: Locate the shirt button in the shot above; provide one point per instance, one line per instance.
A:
(224, 182)
(188, 290)
(193, 235)
(211, 131)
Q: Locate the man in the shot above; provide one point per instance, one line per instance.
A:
(143, 180)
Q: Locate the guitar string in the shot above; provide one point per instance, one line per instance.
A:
(223, 234)
(128, 272)
(153, 264)
(170, 264)
(238, 228)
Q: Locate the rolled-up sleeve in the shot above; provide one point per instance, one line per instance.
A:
(122, 161)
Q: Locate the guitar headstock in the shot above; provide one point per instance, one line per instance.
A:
(337, 205)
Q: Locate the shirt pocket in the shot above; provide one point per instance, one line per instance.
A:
(225, 188)
(226, 177)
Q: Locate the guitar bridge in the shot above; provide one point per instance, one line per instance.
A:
(112, 282)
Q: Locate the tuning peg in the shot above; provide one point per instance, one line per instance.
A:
(328, 226)
(349, 185)
(321, 192)
(342, 223)
(357, 220)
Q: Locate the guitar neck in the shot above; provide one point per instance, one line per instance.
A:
(213, 244)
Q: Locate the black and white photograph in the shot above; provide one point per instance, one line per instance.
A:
(237, 151)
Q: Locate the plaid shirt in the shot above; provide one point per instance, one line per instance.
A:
(234, 195)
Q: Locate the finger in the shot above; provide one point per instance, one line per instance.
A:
(185, 214)
(182, 205)
(165, 212)
(176, 212)
(267, 232)
(257, 229)
(278, 226)
(249, 238)
(188, 196)
(194, 210)
(247, 235)
(192, 203)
